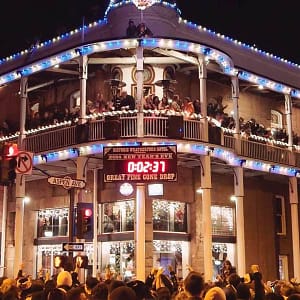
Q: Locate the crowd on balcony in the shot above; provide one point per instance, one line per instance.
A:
(174, 104)
(160, 284)
(248, 128)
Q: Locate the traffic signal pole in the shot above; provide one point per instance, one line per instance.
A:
(80, 197)
(71, 216)
(20, 183)
(3, 235)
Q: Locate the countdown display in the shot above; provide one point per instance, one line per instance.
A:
(140, 163)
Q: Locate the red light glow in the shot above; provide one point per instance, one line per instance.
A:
(88, 212)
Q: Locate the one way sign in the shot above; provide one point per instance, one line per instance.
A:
(73, 247)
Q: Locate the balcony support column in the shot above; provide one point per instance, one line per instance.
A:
(83, 75)
(288, 113)
(235, 92)
(203, 97)
(3, 229)
(140, 232)
(140, 201)
(240, 228)
(206, 219)
(19, 222)
(293, 194)
(23, 106)
(139, 91)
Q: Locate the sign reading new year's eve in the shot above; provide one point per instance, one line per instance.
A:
(140, 163)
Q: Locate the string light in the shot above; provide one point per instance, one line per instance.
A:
(114, 4)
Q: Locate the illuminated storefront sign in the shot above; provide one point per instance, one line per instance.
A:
(142, 4)
(140, 163)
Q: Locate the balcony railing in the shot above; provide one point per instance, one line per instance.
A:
(265, 152)
(156, 126)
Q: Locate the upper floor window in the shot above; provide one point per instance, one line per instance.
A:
(53, 222)
(276, 119)
(118, 216)
(169, 216)
(279, 208)
(223, 220)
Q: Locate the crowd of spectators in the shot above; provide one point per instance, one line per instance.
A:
(175, 104)
(158, 285)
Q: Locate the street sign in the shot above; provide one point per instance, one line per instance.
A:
(67, 182)
(24, 162)
(73, 247)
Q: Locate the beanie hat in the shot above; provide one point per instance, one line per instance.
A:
(64, 278)
(215, 293)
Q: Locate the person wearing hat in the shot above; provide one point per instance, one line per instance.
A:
(27, 287)
(215, 293)
(64, 281)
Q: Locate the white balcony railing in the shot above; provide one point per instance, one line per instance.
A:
(154, 125)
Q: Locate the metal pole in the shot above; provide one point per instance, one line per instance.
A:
(95, 209)
(3, 235)
(71, 219)
(83, 73)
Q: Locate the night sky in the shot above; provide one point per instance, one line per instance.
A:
(272, 26)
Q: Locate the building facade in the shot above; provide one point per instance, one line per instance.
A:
(235, 192)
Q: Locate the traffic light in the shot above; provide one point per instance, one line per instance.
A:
(81, 261)
(85, 220)
(60, 261)
(8, 163)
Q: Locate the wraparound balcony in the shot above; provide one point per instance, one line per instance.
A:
(115, 126)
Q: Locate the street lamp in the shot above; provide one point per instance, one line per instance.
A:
(199, 190)
(26, 200)
(233, 198)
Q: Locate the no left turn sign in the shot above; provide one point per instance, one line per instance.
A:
(24, 162)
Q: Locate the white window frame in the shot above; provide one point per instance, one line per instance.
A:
(282, 215)
(278, 115)
(283, 267)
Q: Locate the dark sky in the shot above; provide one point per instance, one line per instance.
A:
(271, 25)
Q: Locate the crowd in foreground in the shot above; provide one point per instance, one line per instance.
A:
(158, 286)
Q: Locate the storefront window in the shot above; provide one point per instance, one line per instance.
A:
(118, 216)
(169, 216)
(223, 220)
(46, 255)
(173, 254)
(45, 258)
(119, 258)
(220, 253)
(53, 222)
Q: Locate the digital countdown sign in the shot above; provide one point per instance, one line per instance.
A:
(140, 163)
